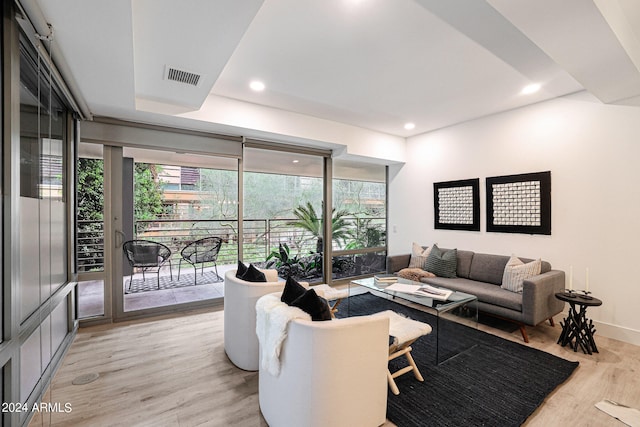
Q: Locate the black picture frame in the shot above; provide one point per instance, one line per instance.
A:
(457, 205)
(519, 203)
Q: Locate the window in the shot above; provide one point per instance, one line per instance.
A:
(360, 206)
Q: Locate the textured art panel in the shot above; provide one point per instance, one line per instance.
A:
(456, 205)
(519, 203)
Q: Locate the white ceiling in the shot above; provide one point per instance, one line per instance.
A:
(375, 64)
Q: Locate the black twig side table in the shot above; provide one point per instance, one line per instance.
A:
(577, 330)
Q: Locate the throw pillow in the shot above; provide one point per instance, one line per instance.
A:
(516, 272)
(253, 275)
(418, 256)
(292, 290)
(414, 274)
(242, 270)
(442, 263)
(311, 303)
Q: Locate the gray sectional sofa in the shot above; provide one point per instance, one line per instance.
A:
(481, 275)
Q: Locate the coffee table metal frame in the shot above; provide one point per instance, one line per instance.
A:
(433, 306)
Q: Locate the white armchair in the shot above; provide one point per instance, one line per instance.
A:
(240, 297)
(331, 373)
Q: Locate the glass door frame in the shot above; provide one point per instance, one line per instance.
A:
(113, 235)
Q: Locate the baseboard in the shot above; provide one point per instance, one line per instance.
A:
(608, 330)
(619, 333)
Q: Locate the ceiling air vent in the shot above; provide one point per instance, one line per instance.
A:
(182, 76)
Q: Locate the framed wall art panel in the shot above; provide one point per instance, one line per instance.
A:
(519, 203)
(457, 204)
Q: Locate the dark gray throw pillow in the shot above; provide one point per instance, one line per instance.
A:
(441, 263)
(311, 303)
(292, 290)
(253, 275)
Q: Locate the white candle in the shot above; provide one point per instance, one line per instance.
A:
(570, 277)
(587, 280)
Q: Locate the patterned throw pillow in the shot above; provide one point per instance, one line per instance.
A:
(441, 263)
(516, 272)
(418, 256)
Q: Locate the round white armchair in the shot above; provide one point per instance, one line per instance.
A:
(331, 373)
(240, 297)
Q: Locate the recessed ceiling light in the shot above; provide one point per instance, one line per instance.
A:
(256, 85)
(409, 126)
(529, 89)
(296, 161)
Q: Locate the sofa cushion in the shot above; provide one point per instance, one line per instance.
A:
(488, 268)
(291, 291)
(464, 263)
(311, 303)
(442, 263)
(253, 275)
(516, 272)
(486, 292)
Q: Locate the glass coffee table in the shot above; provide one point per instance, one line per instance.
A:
(433, 306)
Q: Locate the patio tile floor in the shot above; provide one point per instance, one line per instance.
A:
(91, 295)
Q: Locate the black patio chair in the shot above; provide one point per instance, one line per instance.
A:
(200, 252)
(146, 254)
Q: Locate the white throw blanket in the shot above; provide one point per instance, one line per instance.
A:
(272, 318)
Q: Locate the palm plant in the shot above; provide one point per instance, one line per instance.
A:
(367, 235)
(308, 220)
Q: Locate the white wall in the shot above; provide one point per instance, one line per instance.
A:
(593, 153)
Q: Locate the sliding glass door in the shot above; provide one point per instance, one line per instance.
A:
(282, 211)
(90, 231)
(284, 206)
(360, 203)
(169, 204)
(184, 208)
(161, 203)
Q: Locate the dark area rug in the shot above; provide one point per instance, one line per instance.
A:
(492, 382)
(151, 282)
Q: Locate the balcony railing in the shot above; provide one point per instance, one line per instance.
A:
(90, 246)
(261, 236)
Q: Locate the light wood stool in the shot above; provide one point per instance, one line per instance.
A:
(331, 294)
(405, 332)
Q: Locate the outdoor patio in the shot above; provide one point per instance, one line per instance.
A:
(91, 294)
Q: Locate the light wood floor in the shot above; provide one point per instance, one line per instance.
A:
(172, 371)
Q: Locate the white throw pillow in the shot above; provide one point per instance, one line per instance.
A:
(418, 256)
(516, 272)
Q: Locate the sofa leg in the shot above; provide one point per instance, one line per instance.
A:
(551, 322)
(523, 331)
